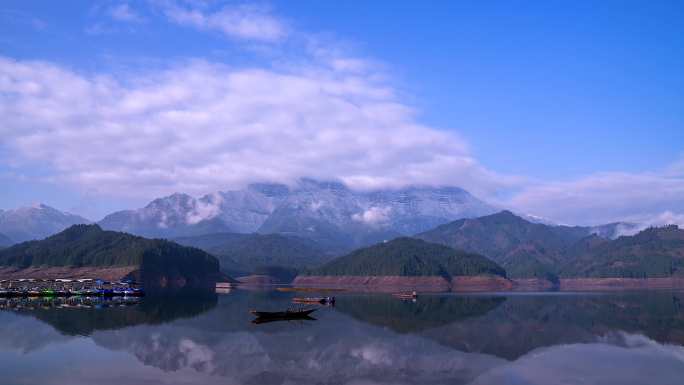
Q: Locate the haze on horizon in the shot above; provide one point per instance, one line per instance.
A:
(569, 111)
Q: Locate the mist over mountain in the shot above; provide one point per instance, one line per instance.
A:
(330, 213)
(35, 222)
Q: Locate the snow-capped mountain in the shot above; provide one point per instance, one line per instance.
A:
(35, 222)
(240, 211)
(328, 212)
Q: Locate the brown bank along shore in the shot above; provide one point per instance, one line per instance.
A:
(419, 283)
(482, 283)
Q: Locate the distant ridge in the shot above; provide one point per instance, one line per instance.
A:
(523, 248)
(527, 249)
(329, 213)
(247, 253)
(651, 253)
(35, 222)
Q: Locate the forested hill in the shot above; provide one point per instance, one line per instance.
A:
(89, 245)
(409, 257)
(654, 252)
(523, 248)
(250, 252)
(527, 249)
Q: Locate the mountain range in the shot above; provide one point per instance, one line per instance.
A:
(336, 217)
(526, 249)
(35, 222)
(308, 223)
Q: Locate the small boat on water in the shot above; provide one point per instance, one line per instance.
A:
(411, 295)
(315, 300)
(288, 314)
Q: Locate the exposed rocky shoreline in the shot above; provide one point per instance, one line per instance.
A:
(420, 283)
(483, 283)
(621, 283)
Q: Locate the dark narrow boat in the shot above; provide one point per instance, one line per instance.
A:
(262, 320)
(289, 314)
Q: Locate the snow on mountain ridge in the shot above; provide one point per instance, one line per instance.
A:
(35, 222)
(308, 207)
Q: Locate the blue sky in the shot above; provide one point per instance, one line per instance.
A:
(535, 99)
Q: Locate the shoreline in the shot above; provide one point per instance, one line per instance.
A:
(482, 284)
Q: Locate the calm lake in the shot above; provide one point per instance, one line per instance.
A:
(543, 338)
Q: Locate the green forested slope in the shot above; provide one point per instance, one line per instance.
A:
(409, 257)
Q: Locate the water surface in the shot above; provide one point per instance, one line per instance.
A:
(563, 338)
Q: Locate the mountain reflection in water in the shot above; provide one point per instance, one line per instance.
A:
(608, 338)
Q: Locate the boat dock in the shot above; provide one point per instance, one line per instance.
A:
(89, 287)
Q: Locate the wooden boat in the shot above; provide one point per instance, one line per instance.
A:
(411, 295)
(315, 300)
(262, 320)
(288, 314)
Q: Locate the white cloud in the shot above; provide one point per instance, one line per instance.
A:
(205, 209)
(373, 215)
(199, 127)
(244, 21)
(604, 197)
(123, 12)
(658, 220)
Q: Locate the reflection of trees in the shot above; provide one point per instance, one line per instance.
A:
(380, 337)
(426, 313)
(335, 349)
(525, 323)
(151, 310)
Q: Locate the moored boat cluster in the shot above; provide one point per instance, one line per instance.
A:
(86, 287)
